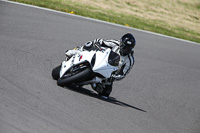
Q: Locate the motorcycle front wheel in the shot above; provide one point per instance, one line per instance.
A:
(56, 72)
(74, 78)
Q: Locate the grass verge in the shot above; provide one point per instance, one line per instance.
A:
(119, 18)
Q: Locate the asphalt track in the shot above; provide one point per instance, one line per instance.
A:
(160, 95)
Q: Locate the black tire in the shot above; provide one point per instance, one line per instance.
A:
(103, 91)
(56, 72)
(79, 77)
(107, 90)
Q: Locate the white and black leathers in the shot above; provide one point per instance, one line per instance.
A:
(126, 62)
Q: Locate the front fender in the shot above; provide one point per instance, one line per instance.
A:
(65, 65)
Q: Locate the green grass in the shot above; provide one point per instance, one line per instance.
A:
(119, 18)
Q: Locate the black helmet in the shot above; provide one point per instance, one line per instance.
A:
(127, 43)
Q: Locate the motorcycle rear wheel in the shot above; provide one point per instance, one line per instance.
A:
(77, 77)
(106, 90)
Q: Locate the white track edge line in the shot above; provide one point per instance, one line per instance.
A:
(101, 21)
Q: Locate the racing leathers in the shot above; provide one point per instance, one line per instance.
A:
(125, 63)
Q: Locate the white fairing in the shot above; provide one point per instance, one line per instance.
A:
(101, 65)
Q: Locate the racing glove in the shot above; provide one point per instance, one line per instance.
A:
(98, 41)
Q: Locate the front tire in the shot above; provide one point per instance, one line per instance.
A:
(56, 72)
(79, 77)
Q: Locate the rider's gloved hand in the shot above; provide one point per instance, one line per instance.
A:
(98, 41)
(67, 53)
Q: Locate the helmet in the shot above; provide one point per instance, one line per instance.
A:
(127, 43)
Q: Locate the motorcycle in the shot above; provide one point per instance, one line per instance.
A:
(94, 67)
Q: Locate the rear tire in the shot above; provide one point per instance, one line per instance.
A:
(56, 72)
(79, 77)
(103, 91)
(107, 90)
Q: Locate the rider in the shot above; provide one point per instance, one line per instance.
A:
(124, 47)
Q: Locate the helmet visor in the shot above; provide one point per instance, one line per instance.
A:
(125, 49)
